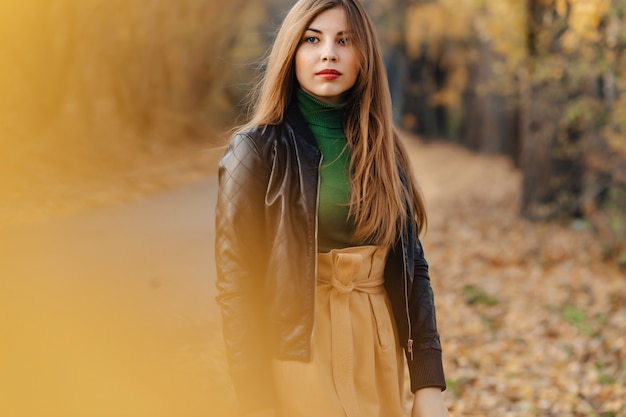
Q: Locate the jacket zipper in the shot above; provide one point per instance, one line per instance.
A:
(409, 342)
(317, 206)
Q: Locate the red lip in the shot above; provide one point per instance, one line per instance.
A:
(329, 72)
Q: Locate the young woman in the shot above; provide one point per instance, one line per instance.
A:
(321, 276)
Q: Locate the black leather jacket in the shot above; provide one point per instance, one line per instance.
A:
(266, 256)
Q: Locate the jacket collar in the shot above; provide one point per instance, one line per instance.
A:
(295, 119)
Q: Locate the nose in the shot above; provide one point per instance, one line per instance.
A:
(329, 54)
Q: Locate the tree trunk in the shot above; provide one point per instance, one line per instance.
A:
(552, 160)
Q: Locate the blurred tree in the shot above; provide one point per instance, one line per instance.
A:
(89, 72)
(465, 60)
(540, 80)
(574, 151)
(388, 16)
(94, 88)
(432, 65)
(26, 88)
(165, 63)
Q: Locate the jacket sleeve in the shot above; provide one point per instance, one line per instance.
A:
(426, 368)
(239, 255)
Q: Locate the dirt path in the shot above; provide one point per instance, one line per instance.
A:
(111, 313)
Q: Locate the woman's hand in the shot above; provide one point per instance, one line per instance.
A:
(428, 402)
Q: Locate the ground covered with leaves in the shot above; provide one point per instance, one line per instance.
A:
(532, 316)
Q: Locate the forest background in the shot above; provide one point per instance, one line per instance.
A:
(107, 86)
(100, 94)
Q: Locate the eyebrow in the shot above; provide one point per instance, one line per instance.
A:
(343, 32)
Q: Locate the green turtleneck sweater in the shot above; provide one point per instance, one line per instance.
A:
(326, 122)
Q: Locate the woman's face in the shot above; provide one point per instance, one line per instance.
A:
(326, 61)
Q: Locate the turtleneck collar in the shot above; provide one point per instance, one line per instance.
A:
(318, 113)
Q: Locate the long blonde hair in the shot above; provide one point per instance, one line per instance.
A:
(381, 202)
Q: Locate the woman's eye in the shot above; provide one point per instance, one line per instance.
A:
(344, 41)
(310, 39)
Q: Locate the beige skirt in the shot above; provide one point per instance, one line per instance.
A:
(357, 366)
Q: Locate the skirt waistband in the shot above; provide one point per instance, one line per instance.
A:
(357, 268)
